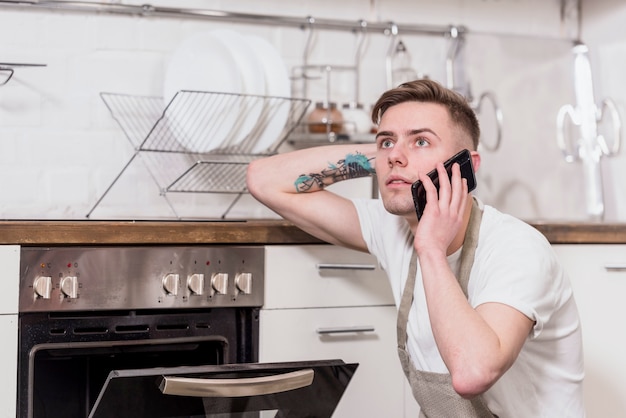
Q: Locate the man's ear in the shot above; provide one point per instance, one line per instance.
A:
(475, 159)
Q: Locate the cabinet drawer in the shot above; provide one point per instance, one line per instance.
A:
(376, 390)
(598, 275)
(323, 276)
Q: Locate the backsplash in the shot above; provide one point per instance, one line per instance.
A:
(60, 148)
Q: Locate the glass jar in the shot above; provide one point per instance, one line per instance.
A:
(325, 118)
(401, 65)
(355, 119)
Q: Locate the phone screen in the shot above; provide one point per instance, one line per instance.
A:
(467, 172)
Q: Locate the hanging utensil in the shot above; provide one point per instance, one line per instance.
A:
(457, 80)
(398, 61)
(589, 146)
(402, 70)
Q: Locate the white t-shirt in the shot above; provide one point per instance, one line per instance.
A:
(514, 265)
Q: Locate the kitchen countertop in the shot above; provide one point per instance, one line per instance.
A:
(89, 232)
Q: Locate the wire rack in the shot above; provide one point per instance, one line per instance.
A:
(202, 142)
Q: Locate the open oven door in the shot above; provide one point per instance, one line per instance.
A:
(292, 389)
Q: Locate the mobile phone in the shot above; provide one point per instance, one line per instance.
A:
(467, 172)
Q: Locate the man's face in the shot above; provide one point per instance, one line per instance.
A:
(412, 137)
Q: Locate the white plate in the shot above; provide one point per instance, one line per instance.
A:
(203, 62)
(276, 84)
(253, 81)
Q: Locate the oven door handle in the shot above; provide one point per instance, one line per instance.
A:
(216, 388)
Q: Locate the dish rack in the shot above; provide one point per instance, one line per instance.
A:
(202, 142)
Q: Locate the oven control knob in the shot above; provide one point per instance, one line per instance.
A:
(170, 284)
(69, 286)
(43, 287)
(195, 283)
(243, 281)
(219, 283)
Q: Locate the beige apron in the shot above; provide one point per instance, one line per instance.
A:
(433, 391)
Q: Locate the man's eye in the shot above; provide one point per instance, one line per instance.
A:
(386, 143)
(421, 142)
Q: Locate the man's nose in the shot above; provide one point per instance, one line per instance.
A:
(397, 156)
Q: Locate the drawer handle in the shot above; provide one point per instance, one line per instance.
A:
(343, 330)
(253, 386)
(368, 267)
(615, 267)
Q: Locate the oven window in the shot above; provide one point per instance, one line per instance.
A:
(65, 358)
(67, 380)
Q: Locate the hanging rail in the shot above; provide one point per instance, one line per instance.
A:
(147, 10)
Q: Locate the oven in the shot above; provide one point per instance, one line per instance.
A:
(156, 332)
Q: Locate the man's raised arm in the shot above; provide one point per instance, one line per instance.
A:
(293, 185)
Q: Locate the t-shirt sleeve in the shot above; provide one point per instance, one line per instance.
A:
(368, 217)
(520, 269)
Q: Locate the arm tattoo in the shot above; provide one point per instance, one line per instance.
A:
(353, 166)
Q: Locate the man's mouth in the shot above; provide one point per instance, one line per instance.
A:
(397, 181)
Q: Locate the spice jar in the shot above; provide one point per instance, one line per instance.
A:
(355, 119)
(325, 118)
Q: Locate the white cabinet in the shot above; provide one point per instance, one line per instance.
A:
(598, 275)
(327, 302)
(318, 276)
(9, 278)
(10, 268)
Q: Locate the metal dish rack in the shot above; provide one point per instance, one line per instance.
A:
(178, 143)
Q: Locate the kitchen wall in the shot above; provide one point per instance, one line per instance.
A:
(60, 147)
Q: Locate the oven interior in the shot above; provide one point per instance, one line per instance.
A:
(66, 358)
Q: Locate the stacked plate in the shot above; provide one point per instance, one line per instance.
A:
(224, 61)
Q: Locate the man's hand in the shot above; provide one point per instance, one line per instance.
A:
(444, 211)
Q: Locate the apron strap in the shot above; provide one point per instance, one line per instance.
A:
(470, 242)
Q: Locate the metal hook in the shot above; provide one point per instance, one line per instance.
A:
(456, 44)
(393, 32)
(453, 50)
(361, 37)
(308, 46)
(10, 75)
(361, 34)
(498, 113)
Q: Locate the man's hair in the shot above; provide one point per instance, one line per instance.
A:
(429, 91)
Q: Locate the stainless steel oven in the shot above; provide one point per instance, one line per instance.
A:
(156, 332)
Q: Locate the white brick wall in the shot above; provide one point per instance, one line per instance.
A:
(60, 147)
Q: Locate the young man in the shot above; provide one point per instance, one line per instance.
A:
(488, 324)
